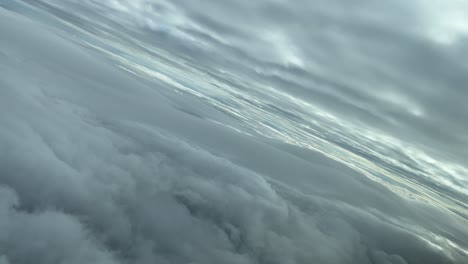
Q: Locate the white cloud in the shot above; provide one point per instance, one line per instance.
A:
(446, 22)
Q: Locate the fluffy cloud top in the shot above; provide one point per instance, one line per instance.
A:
(98, 166)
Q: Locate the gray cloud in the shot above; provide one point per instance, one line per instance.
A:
(380, 51)
(98, 167)
(399, 61)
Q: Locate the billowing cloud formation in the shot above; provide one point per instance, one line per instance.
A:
(389, 72)
(97, 166)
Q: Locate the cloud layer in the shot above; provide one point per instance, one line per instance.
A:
(97, 166)
(388, 72)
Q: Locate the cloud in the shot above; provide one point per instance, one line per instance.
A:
(44, 237)
(380, 65)
(97, 167)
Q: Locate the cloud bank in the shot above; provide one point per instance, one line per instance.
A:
(98, 167)
(388, 72)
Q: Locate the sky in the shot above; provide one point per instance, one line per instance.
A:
(154, 131)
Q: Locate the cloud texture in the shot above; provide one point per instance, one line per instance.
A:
(98, 166)
(389, 71)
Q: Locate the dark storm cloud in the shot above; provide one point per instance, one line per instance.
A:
(96, 167)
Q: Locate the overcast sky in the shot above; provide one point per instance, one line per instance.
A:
(395, 64)
(100, 165)
(395, 67)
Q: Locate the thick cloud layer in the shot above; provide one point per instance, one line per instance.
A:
(387, 76)
(98, 166)
(398, 61)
